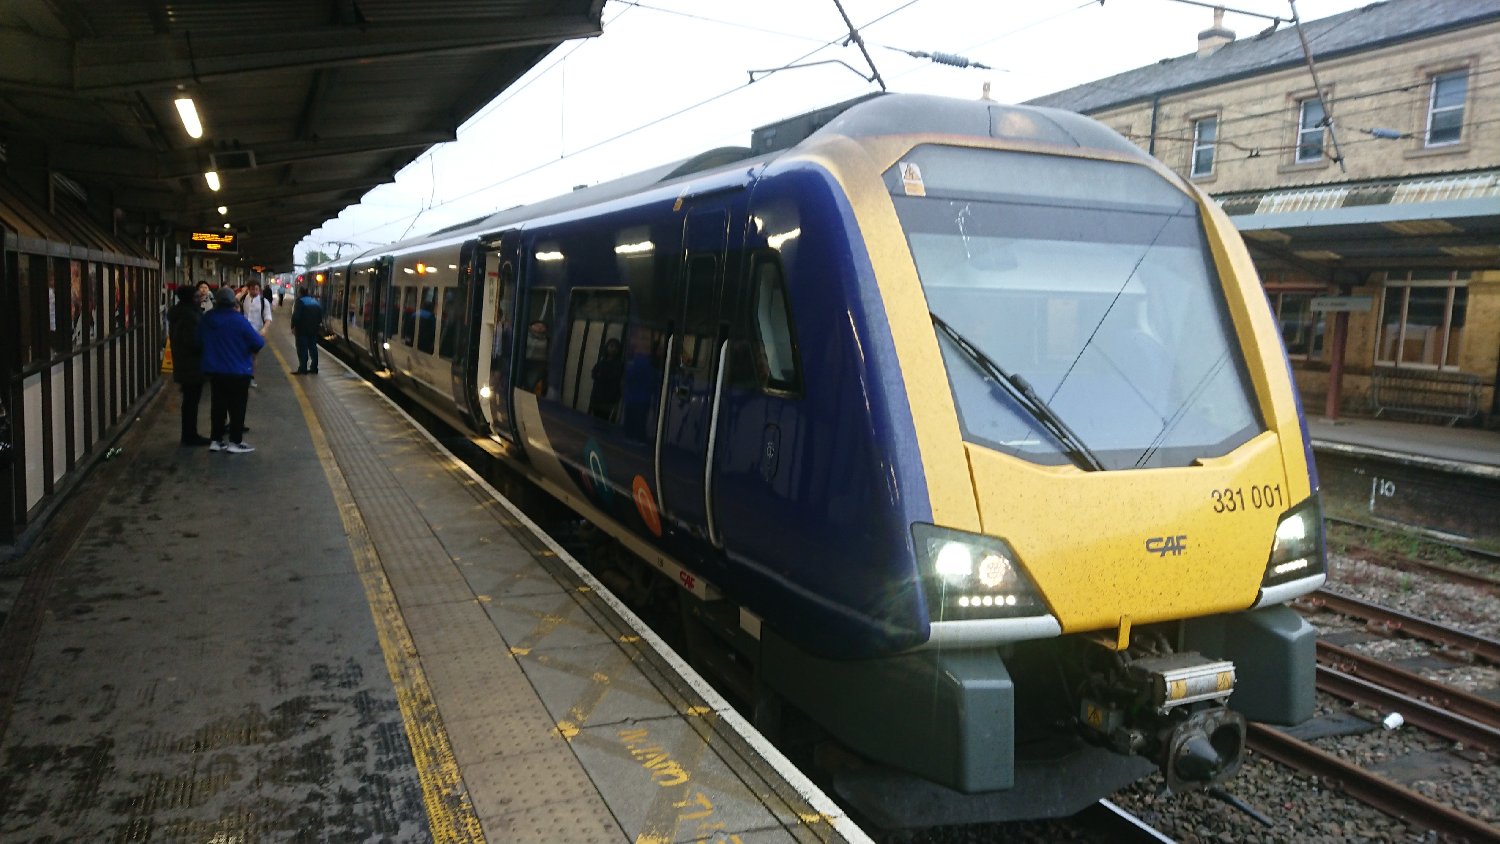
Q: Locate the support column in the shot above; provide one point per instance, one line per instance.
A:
(1336, 365)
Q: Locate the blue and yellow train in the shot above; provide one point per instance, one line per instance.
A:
(966, 425)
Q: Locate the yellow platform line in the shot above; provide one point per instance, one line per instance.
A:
(450, 814)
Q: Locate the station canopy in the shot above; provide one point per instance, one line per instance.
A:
(305, 105)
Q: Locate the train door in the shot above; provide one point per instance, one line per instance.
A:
(691, 373)
(495, 346)
(461, 319)
(384, 312)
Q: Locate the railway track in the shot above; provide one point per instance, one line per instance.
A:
(1453, 714)
(1372, 789)
(1482, 649)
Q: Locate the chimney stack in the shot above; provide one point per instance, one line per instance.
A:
(1210, 40)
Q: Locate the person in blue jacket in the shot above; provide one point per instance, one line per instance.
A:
(307, 325)
(229, 344)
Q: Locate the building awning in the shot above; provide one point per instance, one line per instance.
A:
(1447, 221)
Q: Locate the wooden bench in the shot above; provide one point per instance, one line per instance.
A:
(1427, 392)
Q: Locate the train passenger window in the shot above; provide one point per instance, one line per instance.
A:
(774, 350)
(539, 318)
(594, 373)
(357, 306)
(450, 323)
(427, 320)
(698, 312)
(408, 315)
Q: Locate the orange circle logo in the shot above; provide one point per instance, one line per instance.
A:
(645, 504)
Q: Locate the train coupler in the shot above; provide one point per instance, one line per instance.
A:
(1171, 709)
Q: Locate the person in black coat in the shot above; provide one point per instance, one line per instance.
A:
(307, 326)
(187, 359)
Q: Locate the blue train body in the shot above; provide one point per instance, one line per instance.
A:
(737, 366)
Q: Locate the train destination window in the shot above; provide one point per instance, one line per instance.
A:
(1092, 280)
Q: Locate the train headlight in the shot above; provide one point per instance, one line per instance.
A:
(967, 575)
(1297, 553)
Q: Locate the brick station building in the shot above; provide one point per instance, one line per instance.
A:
(1372, 211)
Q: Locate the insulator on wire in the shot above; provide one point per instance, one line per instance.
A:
(950, 59)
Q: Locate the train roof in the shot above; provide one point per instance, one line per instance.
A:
(867, 116)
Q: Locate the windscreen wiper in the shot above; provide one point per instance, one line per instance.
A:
(1020, 391)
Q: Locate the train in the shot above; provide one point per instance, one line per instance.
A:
(964, 429)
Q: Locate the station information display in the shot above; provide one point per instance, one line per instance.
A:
(208, 241)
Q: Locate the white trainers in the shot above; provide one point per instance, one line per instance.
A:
(216, 446)
(252, 383)
(239, 448)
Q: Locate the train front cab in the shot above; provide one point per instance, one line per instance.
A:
(1132, 559)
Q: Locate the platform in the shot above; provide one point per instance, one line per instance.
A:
(1460, 447)
(348, 636)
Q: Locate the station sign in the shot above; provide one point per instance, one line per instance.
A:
(1343, 304)
(210, 241)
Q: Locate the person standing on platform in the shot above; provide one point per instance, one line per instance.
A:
(187, 356)
(307, 325)
(280, 293)
(229, 346)
(205, 296)
(257, 309)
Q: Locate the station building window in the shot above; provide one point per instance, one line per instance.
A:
(1422, 318)
(1310, 131)
(1205, 132)
(1302, 328)
(1445, 108)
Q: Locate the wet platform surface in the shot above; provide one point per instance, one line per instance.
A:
(347, 636)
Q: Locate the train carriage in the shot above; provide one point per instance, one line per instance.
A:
(965, 425)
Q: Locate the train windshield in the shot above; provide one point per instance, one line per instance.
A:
(1093, 282)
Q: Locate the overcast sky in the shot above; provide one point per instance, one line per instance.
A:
(670, 78)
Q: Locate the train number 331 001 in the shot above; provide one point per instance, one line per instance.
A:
(1255, 497)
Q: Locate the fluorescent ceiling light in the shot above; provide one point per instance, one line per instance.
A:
(189, 114)
(223, 209)
(212, 177)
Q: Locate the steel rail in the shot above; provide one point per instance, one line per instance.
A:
(1485, 650)
(1401, 562)
(1456, 701)
(1418, 713)
(1387, 796)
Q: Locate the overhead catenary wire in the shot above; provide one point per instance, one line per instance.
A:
(550, 162)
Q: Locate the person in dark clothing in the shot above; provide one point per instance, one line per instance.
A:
(608, 374)
(229, 346)
(307, 326)
(187, 357)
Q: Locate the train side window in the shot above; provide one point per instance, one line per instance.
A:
(427, 320)
(698, 312)
(450, 323)
(539, 318)
(595, 368)
(357, 306)
(408, 315)
(775, 349)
